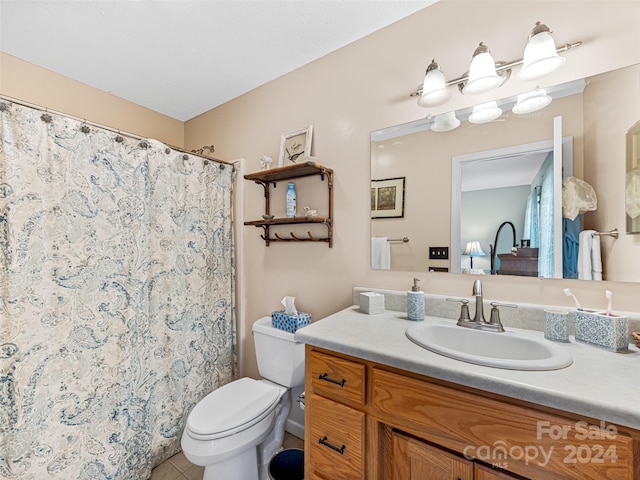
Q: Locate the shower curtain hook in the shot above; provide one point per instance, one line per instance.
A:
(119, 138)
(84, 128)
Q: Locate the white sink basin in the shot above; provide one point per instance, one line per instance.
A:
(508, 350)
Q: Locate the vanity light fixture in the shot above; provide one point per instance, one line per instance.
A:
(445, 122)
(434, 88)
(541, 57)
(485, 112)
(531, 101)
(482, 72)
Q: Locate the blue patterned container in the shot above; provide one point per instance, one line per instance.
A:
(556, 325)
(415, 306)
(600, 330)
(290, 323)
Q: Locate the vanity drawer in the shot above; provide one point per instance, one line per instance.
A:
(337, 378)
(498, 432)
(336, 440)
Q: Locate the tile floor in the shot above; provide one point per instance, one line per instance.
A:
(179, 468)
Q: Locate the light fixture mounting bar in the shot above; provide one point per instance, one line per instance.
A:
(500, 66)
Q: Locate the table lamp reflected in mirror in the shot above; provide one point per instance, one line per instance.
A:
(473, 249)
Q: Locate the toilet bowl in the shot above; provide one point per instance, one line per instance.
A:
(236, 429)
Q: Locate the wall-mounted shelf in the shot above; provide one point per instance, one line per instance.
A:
(267, 178)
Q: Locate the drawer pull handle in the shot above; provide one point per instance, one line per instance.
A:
(324, 442)
(326, 378)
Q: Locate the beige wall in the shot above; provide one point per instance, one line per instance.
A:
(364, 87)
(35, 85)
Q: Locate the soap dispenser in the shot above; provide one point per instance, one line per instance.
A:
(415, 302)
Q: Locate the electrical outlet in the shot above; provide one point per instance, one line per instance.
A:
(438, 253)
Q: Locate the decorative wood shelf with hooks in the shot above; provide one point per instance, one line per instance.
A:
(270, 177)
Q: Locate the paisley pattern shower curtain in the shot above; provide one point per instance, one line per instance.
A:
(116, 297)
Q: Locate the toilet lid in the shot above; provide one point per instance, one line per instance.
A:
(231, 408)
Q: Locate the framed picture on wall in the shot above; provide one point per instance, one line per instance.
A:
(295, 145)
(387, 198)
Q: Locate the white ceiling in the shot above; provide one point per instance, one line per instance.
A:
(185, 57)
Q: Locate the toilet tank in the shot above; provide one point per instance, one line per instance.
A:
(280, 358)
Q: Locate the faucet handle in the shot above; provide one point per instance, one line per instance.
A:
(494, 320)
(464, 310)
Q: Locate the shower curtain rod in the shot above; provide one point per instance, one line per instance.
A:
(110, 129)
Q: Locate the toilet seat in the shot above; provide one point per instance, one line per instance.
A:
(235, 407)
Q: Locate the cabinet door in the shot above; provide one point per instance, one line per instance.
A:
(486, 473)
(416, 460)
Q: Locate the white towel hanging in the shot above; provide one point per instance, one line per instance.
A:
(589, 257)
(380, 253)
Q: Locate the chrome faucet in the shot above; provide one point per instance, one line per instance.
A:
(478, 318)
(478, 321)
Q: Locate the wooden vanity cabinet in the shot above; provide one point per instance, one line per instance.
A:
(337, 429)
(373, 422)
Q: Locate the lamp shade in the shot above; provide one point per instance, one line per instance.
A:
(473, 249)
(531, 101)
(540, 55)
(485, 112)
(445, 122)
(482, 72)
(434, 87)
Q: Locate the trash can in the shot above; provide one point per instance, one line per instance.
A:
(287, 465)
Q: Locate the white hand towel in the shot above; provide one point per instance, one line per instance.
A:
(584, 254)
(380, 253)
(589, 257)
(596, 259)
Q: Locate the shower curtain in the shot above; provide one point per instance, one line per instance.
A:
(116, 296)
(546, 222)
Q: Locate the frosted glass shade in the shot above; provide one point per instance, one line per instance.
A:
(445, 122)
(540, 57)
(434, 89)
(482, 73)
(485, 112)
(531, 102)
(474, 249)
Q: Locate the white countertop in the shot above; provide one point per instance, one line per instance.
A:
(599, 384)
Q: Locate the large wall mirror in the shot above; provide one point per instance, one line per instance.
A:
(591, 119)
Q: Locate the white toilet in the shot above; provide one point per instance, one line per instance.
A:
(235, 430)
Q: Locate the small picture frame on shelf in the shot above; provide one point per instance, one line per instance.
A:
(387, 198)
(295, 145)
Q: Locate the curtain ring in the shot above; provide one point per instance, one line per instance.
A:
(119, 138)
(45, 117)
(185, 157)
(85, 128)
(4, 106)
(144, 144)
